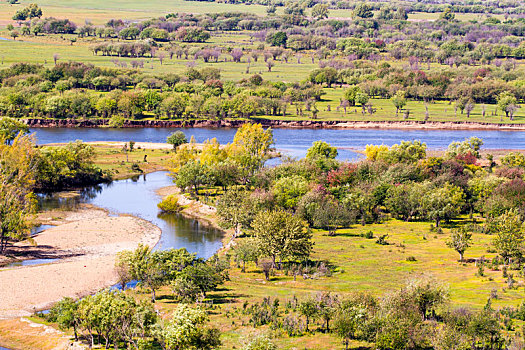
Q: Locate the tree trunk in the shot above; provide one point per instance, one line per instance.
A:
(307, 323)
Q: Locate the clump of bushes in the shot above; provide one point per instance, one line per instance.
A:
(170, 204)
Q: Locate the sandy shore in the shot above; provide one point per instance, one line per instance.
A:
(86, 241)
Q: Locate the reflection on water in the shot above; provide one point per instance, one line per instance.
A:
(31, 263)
(137, 197)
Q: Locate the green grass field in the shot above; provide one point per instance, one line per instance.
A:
(361, 266)
(99, 11)
(41, 50)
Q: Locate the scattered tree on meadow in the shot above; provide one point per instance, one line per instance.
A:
(460, 241)
(282, 236)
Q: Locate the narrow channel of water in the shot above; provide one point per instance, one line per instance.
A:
(138, 197)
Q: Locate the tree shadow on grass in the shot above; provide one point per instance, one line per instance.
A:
(225, 296)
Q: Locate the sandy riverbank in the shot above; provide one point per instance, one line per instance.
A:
(86, 242)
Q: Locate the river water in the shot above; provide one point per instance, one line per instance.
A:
(138, 197)
(295, 142)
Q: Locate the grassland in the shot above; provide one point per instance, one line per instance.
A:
(99, 11)
(25, 49)
(361, 266)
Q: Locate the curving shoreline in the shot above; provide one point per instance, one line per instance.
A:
(299, 124)
(86, 242)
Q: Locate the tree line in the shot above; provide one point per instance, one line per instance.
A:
(26, 169)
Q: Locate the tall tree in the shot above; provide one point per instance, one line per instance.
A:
(11, 128)
(17, 174)
(282, 235)
(251, 146)
(443, 203)
(509, 235)
(460, 241)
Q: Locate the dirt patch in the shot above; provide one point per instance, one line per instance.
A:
(86, 242)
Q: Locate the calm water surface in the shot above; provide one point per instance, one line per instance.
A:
(295, 142)
(138, 197)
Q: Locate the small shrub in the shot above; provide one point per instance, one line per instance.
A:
(381, 240)
(494, 294)
(481, 269)
(136, 167)
(293, 326)
(411, 258)
(369, 235)
(170, 204)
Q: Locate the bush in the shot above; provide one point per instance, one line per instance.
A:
(170, 204)
(381, 240)
(369, 235)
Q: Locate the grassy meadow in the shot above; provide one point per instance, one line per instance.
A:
(361, 266)
(42, 49)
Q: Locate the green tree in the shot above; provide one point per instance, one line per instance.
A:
(509, 235)
(282, 235)
(363, 10)
(506, 101)
(65, 314)
(10, 128)
(186, 330)
(471, 145)
(144, 266)
(460, 241)
(513, 160)
(448, 15)
(17, 178)
(176, 139)
(235, 209)
(350, 94)
(196, 280)
(277, 39)
(251, 146)
(247, 250)
(362, 99)
(321, 149)
(320, 11)
(308, 308)
(399, 100)
(67, 166)
(288, 190)
(443, 203)
(192, 175)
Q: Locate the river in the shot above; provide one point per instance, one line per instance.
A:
(295, 142)
(138, 197)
